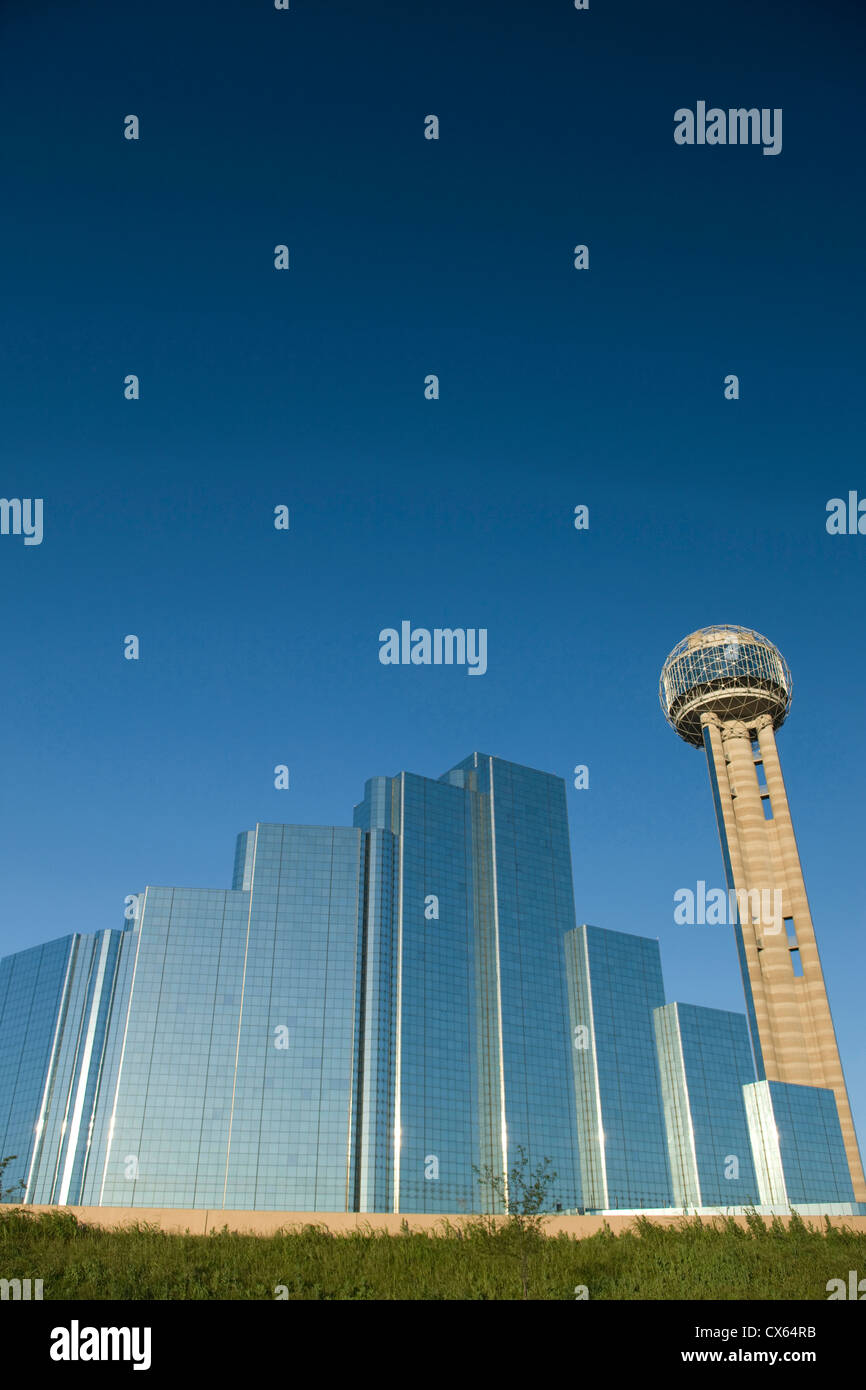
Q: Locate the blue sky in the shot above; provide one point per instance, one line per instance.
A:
(305, 387)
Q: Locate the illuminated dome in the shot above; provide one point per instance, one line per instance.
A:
(728, 671)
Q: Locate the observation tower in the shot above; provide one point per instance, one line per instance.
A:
(729, 689)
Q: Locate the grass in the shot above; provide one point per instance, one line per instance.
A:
(692, 1260)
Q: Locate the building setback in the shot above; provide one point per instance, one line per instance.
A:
(705, 1062)
(379, 1017)
(615, 983)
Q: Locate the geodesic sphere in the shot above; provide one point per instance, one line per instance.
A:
(728, 671)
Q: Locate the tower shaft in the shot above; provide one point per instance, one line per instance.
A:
(789, 1014)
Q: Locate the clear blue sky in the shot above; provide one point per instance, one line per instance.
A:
(558, 387)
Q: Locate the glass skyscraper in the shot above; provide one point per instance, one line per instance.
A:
(464, 1013)
(381, 1018)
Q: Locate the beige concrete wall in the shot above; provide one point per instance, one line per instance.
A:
(266, 1223)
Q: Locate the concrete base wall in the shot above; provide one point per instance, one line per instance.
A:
(266, 1223)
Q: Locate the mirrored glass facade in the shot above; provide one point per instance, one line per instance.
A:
(230, 1081)
(704, 1061)
(797, 1144)
(465, 1011)
(55, 1007)
(378, 1018)
(615, 983)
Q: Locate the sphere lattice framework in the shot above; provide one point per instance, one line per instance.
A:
(728, 671)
